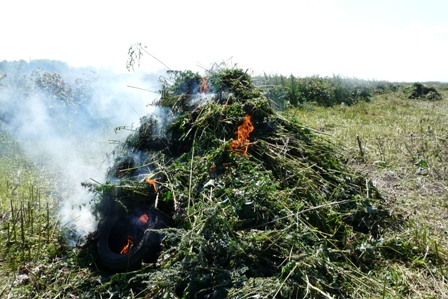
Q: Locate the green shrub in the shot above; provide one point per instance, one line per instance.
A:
(422, 92)
(322, 91)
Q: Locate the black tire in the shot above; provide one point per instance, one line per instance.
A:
(114, 232)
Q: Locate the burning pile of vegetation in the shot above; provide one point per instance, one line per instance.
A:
(260, 206)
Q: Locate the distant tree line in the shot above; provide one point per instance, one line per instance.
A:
(22, 66)
(323, 91)
(67, 91)
(45, 76)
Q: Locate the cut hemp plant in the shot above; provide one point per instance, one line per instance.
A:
(261, 206)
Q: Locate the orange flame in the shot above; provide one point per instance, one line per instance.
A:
(153, 183)
(204, 87)
(143, 219)
(126, 247)
(242, 142)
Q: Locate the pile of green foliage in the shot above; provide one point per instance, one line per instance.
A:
(286, 220)
(422, 92)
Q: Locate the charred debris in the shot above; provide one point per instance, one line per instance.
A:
(260, 205)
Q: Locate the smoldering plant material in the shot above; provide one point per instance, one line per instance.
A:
(268, 212)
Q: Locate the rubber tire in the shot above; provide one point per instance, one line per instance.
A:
(146, 250)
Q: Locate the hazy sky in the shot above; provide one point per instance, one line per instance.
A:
(395, 40)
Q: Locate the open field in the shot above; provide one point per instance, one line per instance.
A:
(399, 144)
(404, 151)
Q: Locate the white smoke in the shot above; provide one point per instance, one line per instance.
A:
(73, 144)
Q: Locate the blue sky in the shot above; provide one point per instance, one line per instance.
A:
(393, 40)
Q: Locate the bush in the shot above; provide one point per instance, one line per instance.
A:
(322, 91)
(422, 92)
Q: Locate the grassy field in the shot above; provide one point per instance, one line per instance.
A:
(400, 144)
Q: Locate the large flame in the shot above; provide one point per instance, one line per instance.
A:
(127, 247)
(242, 141)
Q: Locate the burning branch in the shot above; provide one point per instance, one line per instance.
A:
(153, 183)
(242, 141)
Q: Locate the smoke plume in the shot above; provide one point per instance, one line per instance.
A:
(65, 121)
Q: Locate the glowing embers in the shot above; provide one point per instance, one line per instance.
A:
(143, 219)
(242, 142)
(127, 247)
